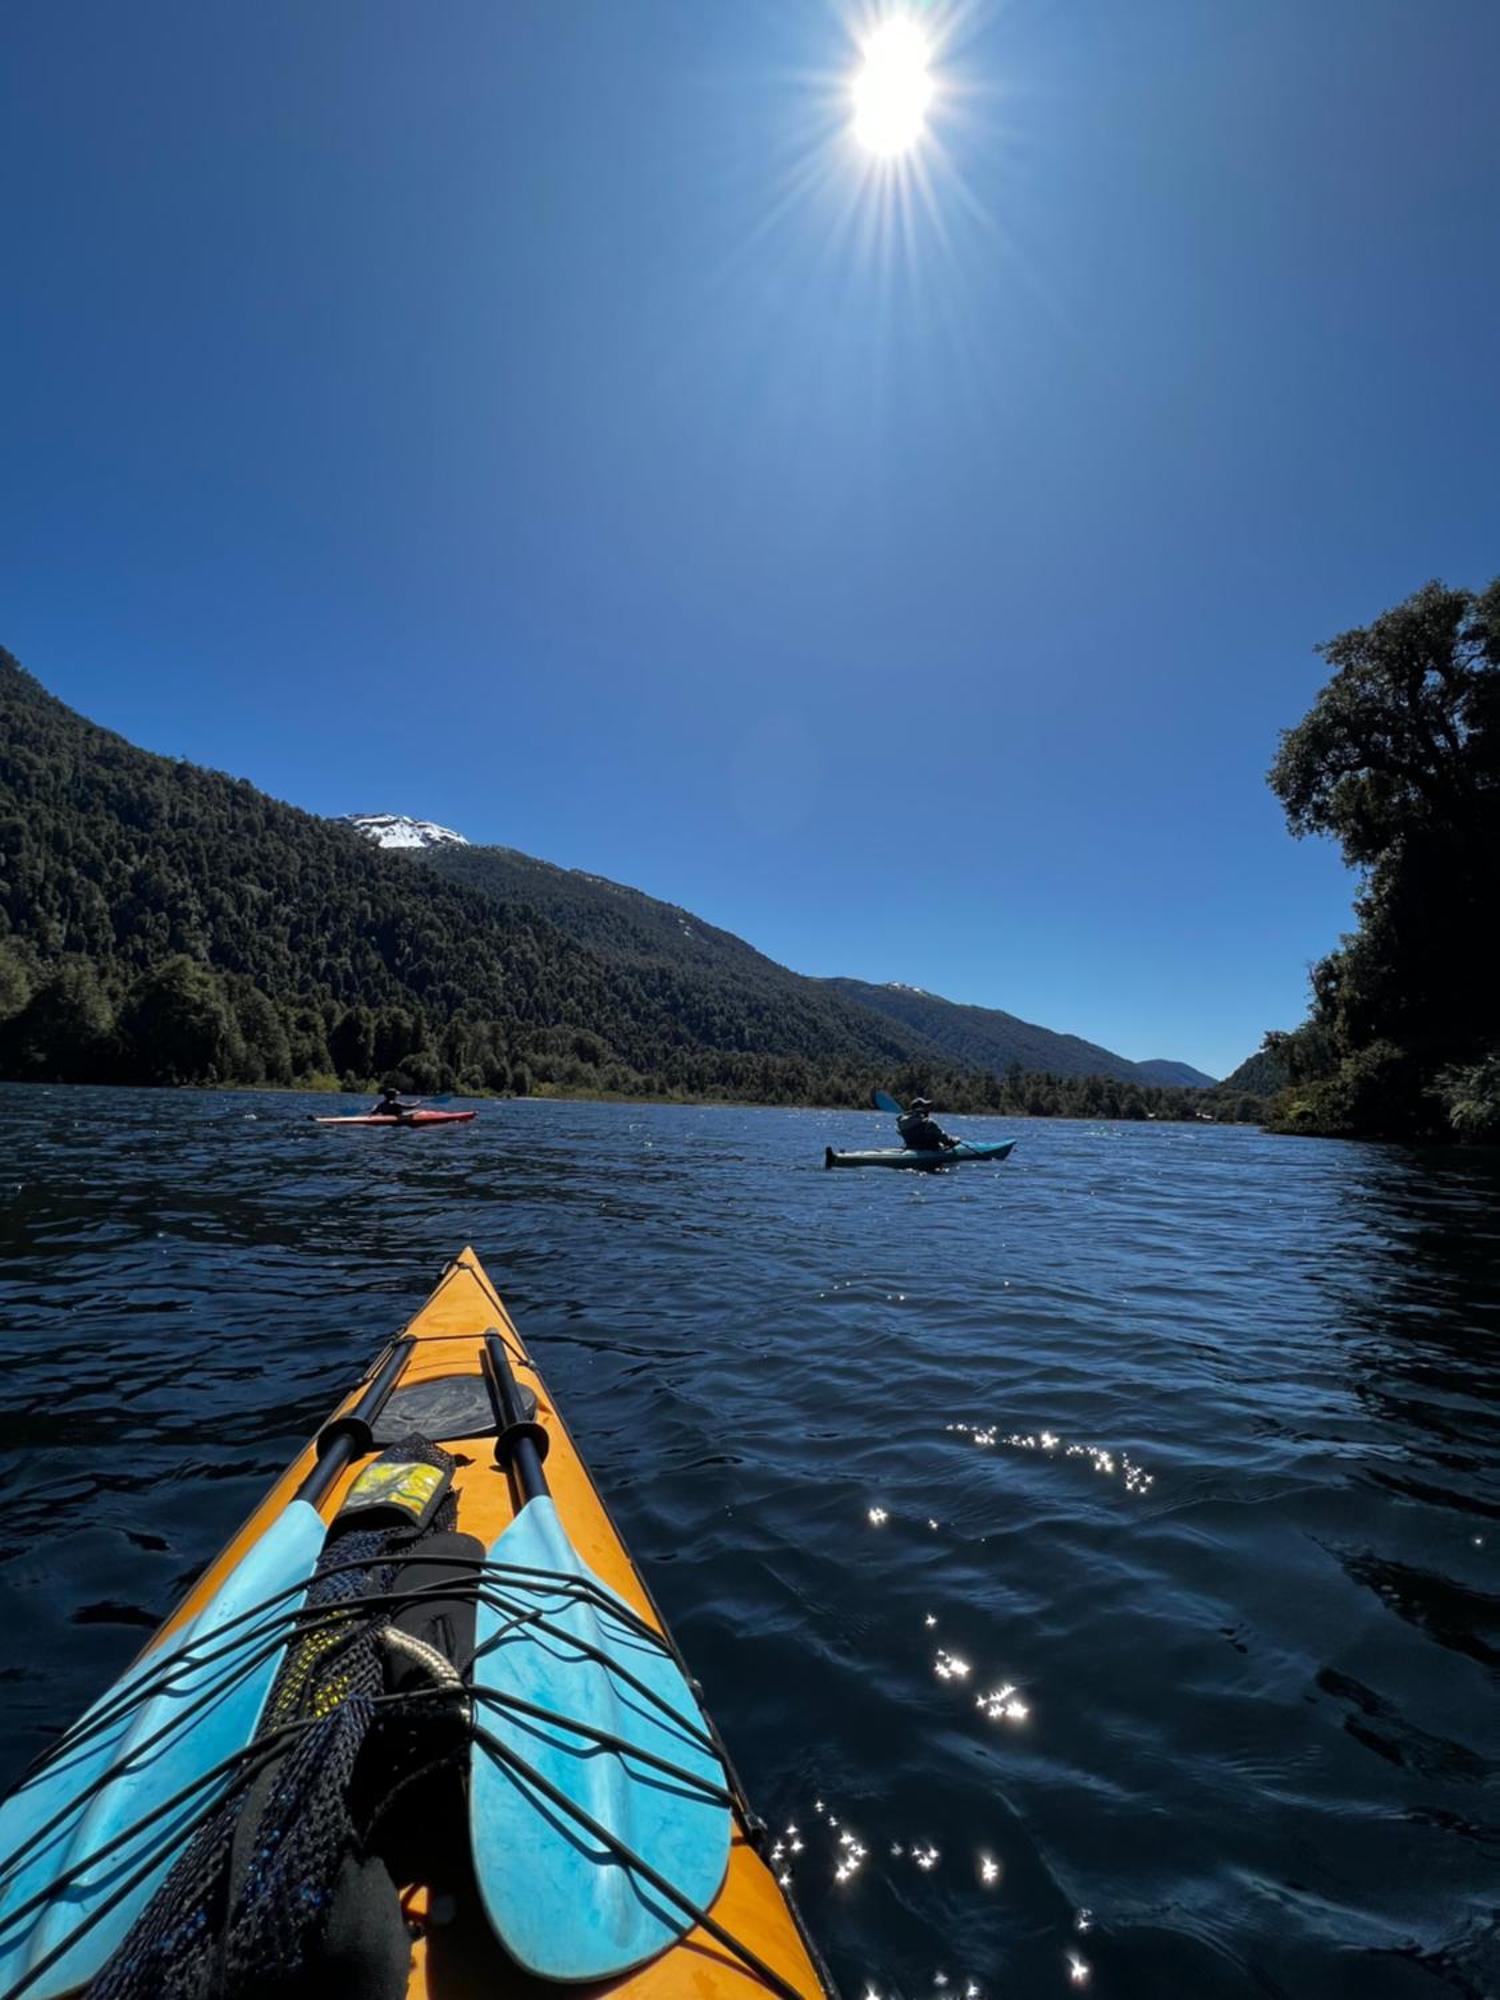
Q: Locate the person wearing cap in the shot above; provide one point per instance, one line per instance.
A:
(918, 1132)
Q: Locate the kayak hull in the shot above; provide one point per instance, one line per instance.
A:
(411, 1118)
(906, 1156)
(439, 1391)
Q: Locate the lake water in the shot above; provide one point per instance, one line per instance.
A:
(1103, 1543)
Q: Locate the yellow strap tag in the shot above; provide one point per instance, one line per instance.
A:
(407, 1485)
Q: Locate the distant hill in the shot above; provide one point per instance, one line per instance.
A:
(1159, 1071)
(1260, 1075)
(596, 910)
(987, 1038)
(638, 929)
(161, 922)
(721, 989)
(164, 923)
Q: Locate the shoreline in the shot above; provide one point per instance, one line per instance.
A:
(558, 1094)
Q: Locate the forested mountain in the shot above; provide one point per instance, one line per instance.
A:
(722, 989)
(1262, 1075)
(986, 1038)
(163, 920)
(625, 924)
(164, 923)
(1158, 1070)
(600, 912)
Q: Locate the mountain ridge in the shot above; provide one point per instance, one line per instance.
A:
(160, 922)
(989, 1038)
(596, 909)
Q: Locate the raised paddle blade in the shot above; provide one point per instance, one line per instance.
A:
(562, 1900)
(100, 1809)
(883, 1101)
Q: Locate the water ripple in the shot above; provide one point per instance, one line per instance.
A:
(1090, 1559)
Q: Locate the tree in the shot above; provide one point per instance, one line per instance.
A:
(15, 981)
(352, 1042)
(65, 1032)
(179, 1023)
(1403, 744)
(1399, 761)
(1471, 1098)
(268, 1056)
(393, 1037)
(421, 1071)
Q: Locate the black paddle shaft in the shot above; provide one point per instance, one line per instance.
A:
(353, 1434)
(521, 1443)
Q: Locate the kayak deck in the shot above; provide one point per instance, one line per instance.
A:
(437, 1371)
(407, 1118)
(906, 1156)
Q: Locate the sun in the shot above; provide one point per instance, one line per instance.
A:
(893, 89)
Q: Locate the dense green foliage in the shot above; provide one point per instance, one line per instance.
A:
(724, 993)
(1470, 1097)
(1260, 1075)
(987, 1038)
(162, 922)
(1399, 761)
(1020, 1093)
(165, 924)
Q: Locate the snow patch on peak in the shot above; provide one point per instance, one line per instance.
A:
(399, 830)
(900, 986)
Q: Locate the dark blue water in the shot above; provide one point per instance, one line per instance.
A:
(1093, 1557)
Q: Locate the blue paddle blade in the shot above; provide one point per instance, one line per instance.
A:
(561, 1900)
(883, 1101)
(76, 1831)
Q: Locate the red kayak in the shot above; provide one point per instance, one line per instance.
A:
(407, 1118)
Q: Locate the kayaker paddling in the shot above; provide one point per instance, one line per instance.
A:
(923, 1144)
(919, 1132)
(390, 1105)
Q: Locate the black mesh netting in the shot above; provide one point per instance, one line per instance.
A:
(288, 1868)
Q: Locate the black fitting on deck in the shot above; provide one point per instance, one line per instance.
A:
(353, 1428)
(528, 1432)
(345, 1438)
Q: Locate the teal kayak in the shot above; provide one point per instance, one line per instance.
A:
(904, 1156)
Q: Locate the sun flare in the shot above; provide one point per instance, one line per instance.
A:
(893, 89)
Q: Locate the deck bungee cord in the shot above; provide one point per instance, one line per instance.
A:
(300, 1622)
(450, 1683)
(417, 1669)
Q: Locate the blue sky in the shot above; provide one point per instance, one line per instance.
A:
(542, 417)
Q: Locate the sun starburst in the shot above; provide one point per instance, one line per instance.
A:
(893, 88)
